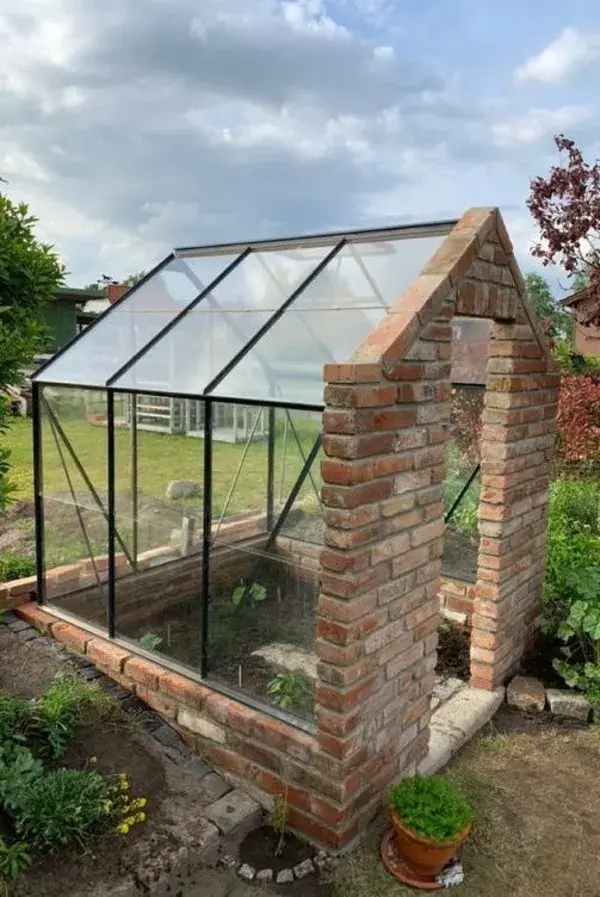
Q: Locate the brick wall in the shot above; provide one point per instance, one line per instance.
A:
(456, 600)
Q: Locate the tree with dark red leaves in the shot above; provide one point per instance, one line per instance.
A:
(566, 207)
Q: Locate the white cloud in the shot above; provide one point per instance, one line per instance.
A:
(538, 123)
(568, 54)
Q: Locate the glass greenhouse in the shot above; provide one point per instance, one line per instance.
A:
(204, 552)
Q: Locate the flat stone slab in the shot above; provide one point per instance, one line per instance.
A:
(236, 813)
(285, 877)
(526, 693)
(288, 659)
(445, 688)
(214, 786)
(456, 722)
(568, 705)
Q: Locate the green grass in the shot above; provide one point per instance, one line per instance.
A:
(161, 458)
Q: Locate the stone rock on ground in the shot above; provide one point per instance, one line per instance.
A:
(246, 872)
(526, 693)
(285, 877)
(182, 489)
(265, 876)
(288, 659)
(568, 705)
(303, 869)
(235, 814)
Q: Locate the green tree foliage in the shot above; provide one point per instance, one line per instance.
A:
(30, 272)
(559, 320)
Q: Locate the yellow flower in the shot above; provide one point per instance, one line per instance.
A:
(123, 828)
(141, 817)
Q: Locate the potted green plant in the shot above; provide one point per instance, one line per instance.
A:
(431, 819)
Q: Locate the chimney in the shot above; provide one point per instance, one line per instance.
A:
(114, 291)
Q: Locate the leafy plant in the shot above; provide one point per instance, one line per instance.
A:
(63, 806)
(57, 714)
(14, 858)
(12, 564)
(431, 807)
(290, 691)
(581, 633)
(19, 769)
(14, 719)
(578, 418)
(573, 543)
(278, 818)
(150, 641)
(255, 593)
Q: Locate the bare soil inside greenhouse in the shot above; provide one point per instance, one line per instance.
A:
(453, 659)
(281, 610)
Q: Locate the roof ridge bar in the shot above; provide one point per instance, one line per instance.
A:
(232, 363)
(174, 321)
(405, 231)
(171, 257)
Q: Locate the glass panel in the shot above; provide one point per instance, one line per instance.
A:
(75, 501)
(132, 323)
(193, 353)
(328, 321)
(263, 589)
(470, 349)
(463, 453)
(159, 499)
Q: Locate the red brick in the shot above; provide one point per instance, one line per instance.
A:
(33, 614)
(347, 611)
(346, 473)
(344, 561)
(71, 636)
(426, 533)
(107, 655)
(336, 654)
(392, 464)
(143, 671)
(342, 700)
(227, 759)
(157, 701)
(359, 396)
(181, 690)
(398, 419)
(354, 497)
(352, 373)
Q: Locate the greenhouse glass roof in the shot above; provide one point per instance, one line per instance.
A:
(248, 322)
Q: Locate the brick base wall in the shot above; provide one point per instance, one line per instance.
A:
(261, 750)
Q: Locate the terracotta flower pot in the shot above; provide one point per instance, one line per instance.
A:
(425, 859)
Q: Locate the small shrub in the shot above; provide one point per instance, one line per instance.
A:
(14, 719)
(578, 418)
(58, 713)
(290, 691)
(63, 806)
(431, 807)
(581, 633)
(19, 769)
(14, 858)
(278, 819)
(15, 566)
(573, 543)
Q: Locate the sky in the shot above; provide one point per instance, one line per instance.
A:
(132, 126)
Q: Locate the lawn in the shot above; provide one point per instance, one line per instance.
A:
(162, 458)
(537, 803)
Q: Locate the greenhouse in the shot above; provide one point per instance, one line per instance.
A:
(264, 470)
